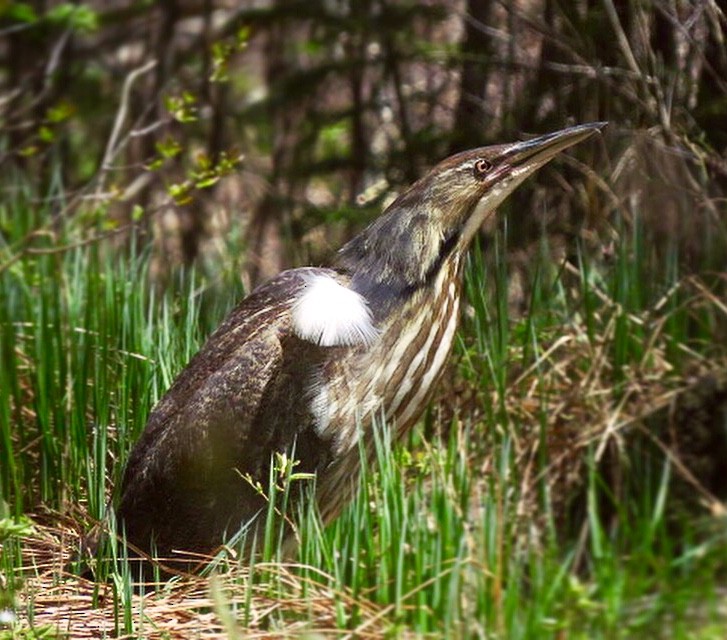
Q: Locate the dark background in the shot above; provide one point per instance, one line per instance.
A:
(260, 135)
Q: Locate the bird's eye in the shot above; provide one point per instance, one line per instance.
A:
(482, 167)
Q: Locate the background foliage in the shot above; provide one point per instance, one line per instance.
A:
(159, 159)
(291, 122)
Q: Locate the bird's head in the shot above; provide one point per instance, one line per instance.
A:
(441, 213)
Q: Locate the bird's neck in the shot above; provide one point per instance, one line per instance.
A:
(398, 259)
(415, 355)
(396, 376)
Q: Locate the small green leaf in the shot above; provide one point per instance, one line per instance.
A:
(60, 112)
(78, 17)
(169, 147)
(22, 526)
(181, 108)
(19, 12)
(242, 36)
(203, 161)
(180, 192)
(155, 164)
(205, 183)
(109, 224)
(46, 134)
(29, 151)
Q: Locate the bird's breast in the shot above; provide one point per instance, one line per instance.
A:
(416, 358)
(394, 378)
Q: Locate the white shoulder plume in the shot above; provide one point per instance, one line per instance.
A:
(331, 315)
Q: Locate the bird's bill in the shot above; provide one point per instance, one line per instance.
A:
(513, 163)
(528, 156)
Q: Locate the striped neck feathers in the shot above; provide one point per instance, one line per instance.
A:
(398, 253)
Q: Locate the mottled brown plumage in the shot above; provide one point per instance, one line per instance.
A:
(310, 358)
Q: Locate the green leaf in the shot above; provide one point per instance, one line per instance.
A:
(155, 164)
(78, 17)
(110, 224)
(242, 36)
(169, 147)
(180, 192)
(19, 12)
(46, 134)
(22, 526)
(29, 151)
(60, 112)
(182, 108)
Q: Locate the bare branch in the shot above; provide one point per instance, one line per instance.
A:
(120, 119)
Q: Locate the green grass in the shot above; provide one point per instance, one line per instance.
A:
(461, 534)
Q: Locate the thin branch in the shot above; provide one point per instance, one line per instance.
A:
(623, 41)
(120, 119)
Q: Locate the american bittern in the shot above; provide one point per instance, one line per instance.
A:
(308, 360)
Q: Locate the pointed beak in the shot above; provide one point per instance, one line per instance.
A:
(526, 157)
(513, 163)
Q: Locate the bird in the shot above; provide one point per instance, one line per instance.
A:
(308, 362)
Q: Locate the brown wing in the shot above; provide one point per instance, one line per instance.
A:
(243, 396)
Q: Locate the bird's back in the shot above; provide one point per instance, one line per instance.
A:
(240, 398)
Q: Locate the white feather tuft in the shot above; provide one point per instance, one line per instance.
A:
(331, 315)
